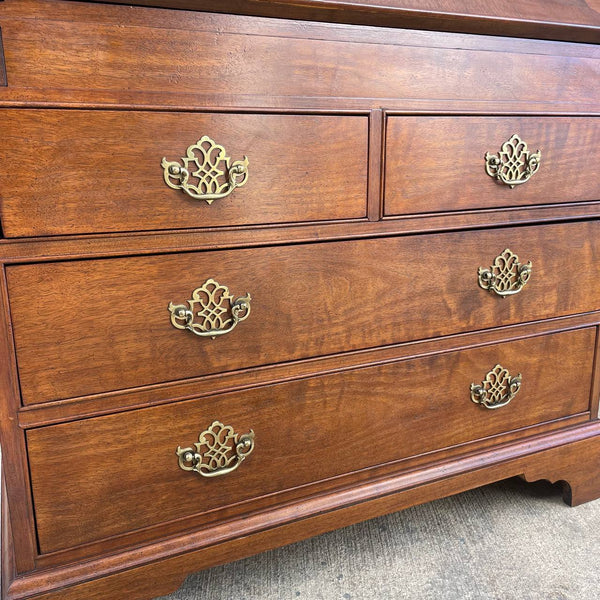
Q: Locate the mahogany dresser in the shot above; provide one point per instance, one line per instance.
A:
(275, 270)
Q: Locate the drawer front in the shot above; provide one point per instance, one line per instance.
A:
(86, 327)
(198, 58)
(102, 171)
(109, 475)
(438, 164)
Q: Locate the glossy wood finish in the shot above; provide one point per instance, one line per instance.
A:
(305, 431)
(436, 164)
(145, 536)
(15, 470)
(54, 248)
(563, 20)
(3, 81)
(130, 572)
(339, 291)
(39, 415)
(100, 171)
(212, 63)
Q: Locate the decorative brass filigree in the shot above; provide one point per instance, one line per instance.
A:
(514, 164)
(497, 389)
(206, 173)
(218, 451)
(506, 276)
(212, 311)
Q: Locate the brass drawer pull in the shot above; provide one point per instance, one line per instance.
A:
(497, 389)
(514, 164)
(205, 172)
(212, 310)
(506, 276)
(218, 451)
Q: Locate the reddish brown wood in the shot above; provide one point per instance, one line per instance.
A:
(98, 13)
(3, 81)
(563, 20)
(437, 163)
(249, 535)
(376, 150)
(7, 559)
(215, 65)
(337, 293)
(140, 243)
(264, 503)
(347, 296)
(15, 470)
(37, 415)
(323, 426)
(571, 468)
(595, 396)
(97, 171)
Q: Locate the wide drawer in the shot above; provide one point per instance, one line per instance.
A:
(85, 171)
(86, 327)
(438, 164)
(108, 475)
(189, 58)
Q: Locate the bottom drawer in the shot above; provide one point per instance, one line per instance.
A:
(108, 475)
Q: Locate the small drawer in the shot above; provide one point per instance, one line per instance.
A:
(107, 475)
(81, 171)
(438, 164)
(94, 326)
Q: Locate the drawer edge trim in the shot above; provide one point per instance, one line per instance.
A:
(512, 457)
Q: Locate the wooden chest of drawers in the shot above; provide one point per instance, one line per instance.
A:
(265, 277)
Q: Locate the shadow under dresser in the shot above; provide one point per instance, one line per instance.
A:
(277, 269)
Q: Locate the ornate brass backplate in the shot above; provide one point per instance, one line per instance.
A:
(506, 276)
(212, 310)
(497, 389)
(218, 451)
(205, 172)
(514, 164)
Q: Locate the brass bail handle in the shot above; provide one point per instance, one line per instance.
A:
(514, 164)
(218, 451)
(497, 389)
(205, 172)
(506, 276)
(212, 311)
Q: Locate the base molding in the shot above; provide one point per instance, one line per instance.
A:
(571, 456)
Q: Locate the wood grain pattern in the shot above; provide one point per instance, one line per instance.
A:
(59, 10)
(159, 568)
(178, 61)
(345, 296)
(359, 323)
(53, 248)
(15, 470)
(7, 559)
(38, 415)
(376, 153)
(595, 397)
(437, 164)
(562, 20)
(197, 522)
(94, 171)
(3, 80)
(323, 426)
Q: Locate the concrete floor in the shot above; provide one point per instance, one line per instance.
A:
(507, 541)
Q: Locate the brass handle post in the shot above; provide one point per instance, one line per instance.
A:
(212, 311)
(205, 172)
(506, 276)
(218, 451)
(514, 164)
(497, 389)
